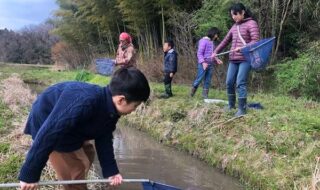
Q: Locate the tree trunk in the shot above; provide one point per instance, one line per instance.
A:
(283, 18)
(163, 26)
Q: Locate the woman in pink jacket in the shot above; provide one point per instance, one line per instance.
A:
(244, 31)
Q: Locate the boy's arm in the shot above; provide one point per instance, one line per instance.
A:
(64, 117)
(173, 63)
(105, 152)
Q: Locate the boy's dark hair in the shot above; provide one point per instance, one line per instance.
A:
(212, 32)
(170, 43)
(131, 83)
(239, 7)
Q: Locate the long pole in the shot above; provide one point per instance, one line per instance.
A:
(69, 182)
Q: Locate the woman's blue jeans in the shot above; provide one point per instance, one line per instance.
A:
(203, 74)
(237, 75)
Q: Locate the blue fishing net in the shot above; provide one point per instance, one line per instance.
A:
(105, 66)
(259, 53)
(157, 186)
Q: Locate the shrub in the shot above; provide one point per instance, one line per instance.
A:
(67, 56)
(301, 76)
(84, 76)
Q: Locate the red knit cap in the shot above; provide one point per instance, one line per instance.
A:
(126, 37)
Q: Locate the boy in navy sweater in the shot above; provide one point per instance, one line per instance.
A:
(67, 115)
(169, 67)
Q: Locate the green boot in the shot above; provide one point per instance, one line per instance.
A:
(168, 89)
(168, 92)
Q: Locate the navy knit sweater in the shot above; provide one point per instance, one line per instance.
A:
(62, 118)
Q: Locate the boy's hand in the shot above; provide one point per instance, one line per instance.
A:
(204, 65)
(171, 75)
(116, 180)
(28, 186)
(213, 56)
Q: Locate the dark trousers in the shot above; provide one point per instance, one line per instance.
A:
(167, 79)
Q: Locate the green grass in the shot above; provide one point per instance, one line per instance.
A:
(5, 117)
(9, 168)
(4, 148)
(34, 74)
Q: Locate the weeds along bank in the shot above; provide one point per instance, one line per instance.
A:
(275, 148)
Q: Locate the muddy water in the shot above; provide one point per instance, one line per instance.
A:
(140, 156)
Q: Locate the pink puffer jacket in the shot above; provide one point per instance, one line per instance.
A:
(249, 30)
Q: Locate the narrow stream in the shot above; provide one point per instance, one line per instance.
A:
(140, 156)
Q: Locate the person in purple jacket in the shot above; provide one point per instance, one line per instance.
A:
(244, 31)
(205, 62)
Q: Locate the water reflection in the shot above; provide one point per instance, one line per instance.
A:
(139, 156)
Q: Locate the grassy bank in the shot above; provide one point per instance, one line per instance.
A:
(35, 74)
(273, 148)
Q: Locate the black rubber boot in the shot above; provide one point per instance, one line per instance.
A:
(231, 101)
(242, 107)
(193, 91)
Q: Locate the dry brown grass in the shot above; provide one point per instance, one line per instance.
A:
(314, 182)
(197, 115)
(316, 176)
(14, 93)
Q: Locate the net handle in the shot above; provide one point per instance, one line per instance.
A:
(263, 43)
(226, 52)
(68, 182)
